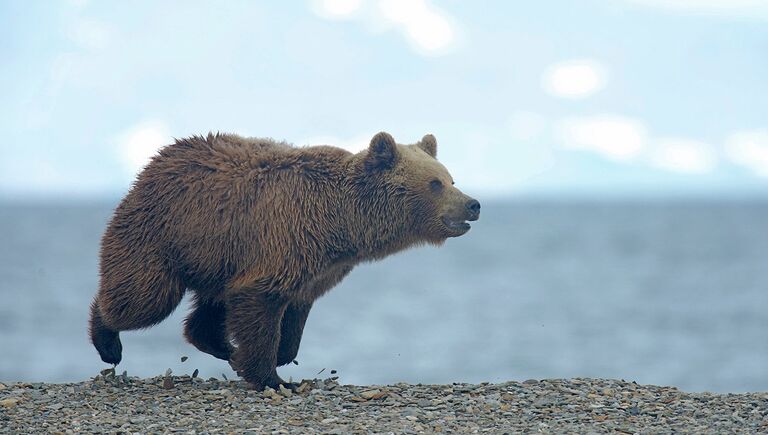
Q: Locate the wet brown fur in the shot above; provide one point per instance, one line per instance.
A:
(258, 230)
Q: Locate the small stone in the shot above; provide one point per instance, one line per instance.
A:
(270, 393)
(333, 372)
(184, 358)
(195, 373)
(224, 376)
(9, 403)
(285, 391)
(303, 387)
(329, 420)
(168, 383)
(369, 394)
(295, 362)
(508, 396)
(410, 412)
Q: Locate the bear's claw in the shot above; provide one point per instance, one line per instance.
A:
(110, 348)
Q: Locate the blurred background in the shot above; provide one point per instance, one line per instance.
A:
(619, 149)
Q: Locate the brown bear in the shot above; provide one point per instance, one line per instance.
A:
(258, 230)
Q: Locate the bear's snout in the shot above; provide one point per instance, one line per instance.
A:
(473, 207)
(456, 218)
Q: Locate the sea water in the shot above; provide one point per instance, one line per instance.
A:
(664, 292)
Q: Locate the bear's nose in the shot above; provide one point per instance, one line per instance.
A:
(473, 206)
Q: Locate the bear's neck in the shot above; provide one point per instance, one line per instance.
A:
(375, 224)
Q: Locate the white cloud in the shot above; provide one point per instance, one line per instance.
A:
(138, 144)
(426, 27)
(749, 148)
(612, 136)
(429, 31)
(626, 139)
(574, 78)
(683, 155)
(525, 125)
(336, 9)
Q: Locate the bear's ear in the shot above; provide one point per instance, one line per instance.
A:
(382, 153)
(429, 145)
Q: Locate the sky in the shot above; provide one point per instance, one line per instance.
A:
(554, 97)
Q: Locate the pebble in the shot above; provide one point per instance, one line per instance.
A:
(370, 394)
(325, 406)
(285, 391)
(8, 403)
(168, 383)
(303, 387)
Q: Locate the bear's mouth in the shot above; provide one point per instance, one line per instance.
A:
(457, 226)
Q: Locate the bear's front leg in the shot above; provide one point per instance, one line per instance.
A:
(253, 321)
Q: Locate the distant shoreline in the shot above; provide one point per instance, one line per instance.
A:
(111, 403)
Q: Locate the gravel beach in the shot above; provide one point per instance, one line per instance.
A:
(112, 403)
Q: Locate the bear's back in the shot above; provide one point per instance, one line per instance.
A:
(231, 156)
(201, 198)
(220, 152)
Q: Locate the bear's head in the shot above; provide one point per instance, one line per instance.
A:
(408, 186)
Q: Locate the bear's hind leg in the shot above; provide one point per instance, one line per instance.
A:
(291, 329)
(131, 296)
(205, 328)
(106, 340)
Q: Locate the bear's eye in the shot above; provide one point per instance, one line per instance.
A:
(436, 185)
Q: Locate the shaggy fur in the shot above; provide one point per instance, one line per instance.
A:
(258, 230)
